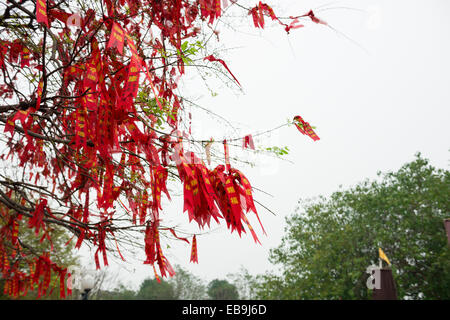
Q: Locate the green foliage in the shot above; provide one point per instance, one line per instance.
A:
(120, 293)
(278, 151)
(187, 286)
(329, 243)
(151, 108)
(245, 283)
(151, 289)
(182, 286)
(222, 290)
(189, 49)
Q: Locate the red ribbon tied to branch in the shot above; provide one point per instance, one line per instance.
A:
(194, 255)
(41, 12)
(248, 142)
(313, 18)
(305, 128)
(227, 155)
(212, 59)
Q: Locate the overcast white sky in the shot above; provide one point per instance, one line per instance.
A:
(375, 102)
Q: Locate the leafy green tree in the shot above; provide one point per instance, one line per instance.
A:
(329, 243)
(151, 289)
(245, 283)
(120, 293)
(187, 286)
(222, 290)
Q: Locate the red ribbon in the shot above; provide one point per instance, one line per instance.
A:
(248, 142)
(194, 256)
(117, 38)
(212, 58)
(227, 156)
(305, 128)
(41, 12)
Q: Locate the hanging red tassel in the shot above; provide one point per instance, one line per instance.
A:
(248, 142)
(212, 58)
(175, 235)
(194, 256)
(156, 274)
(250, 228)
(134, 53)
(117, 38)
(227, 156)
(62, 276)
(37, 216)
(39, 93)
(15, 232)
(150, 243)
(305, 128)
(9, 126)
(313, 18)
(101, 236)
(41, 12)
(22, 115)
(131, 87)
(248, 197)
(234, 204)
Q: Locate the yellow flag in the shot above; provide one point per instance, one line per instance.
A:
(383, 256)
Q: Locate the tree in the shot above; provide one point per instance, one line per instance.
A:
(329, 243)
(222, 290)
(94, 126)
(120, 293)
(245, 283)
(182, 286)
(187, 286)
(152, 289)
